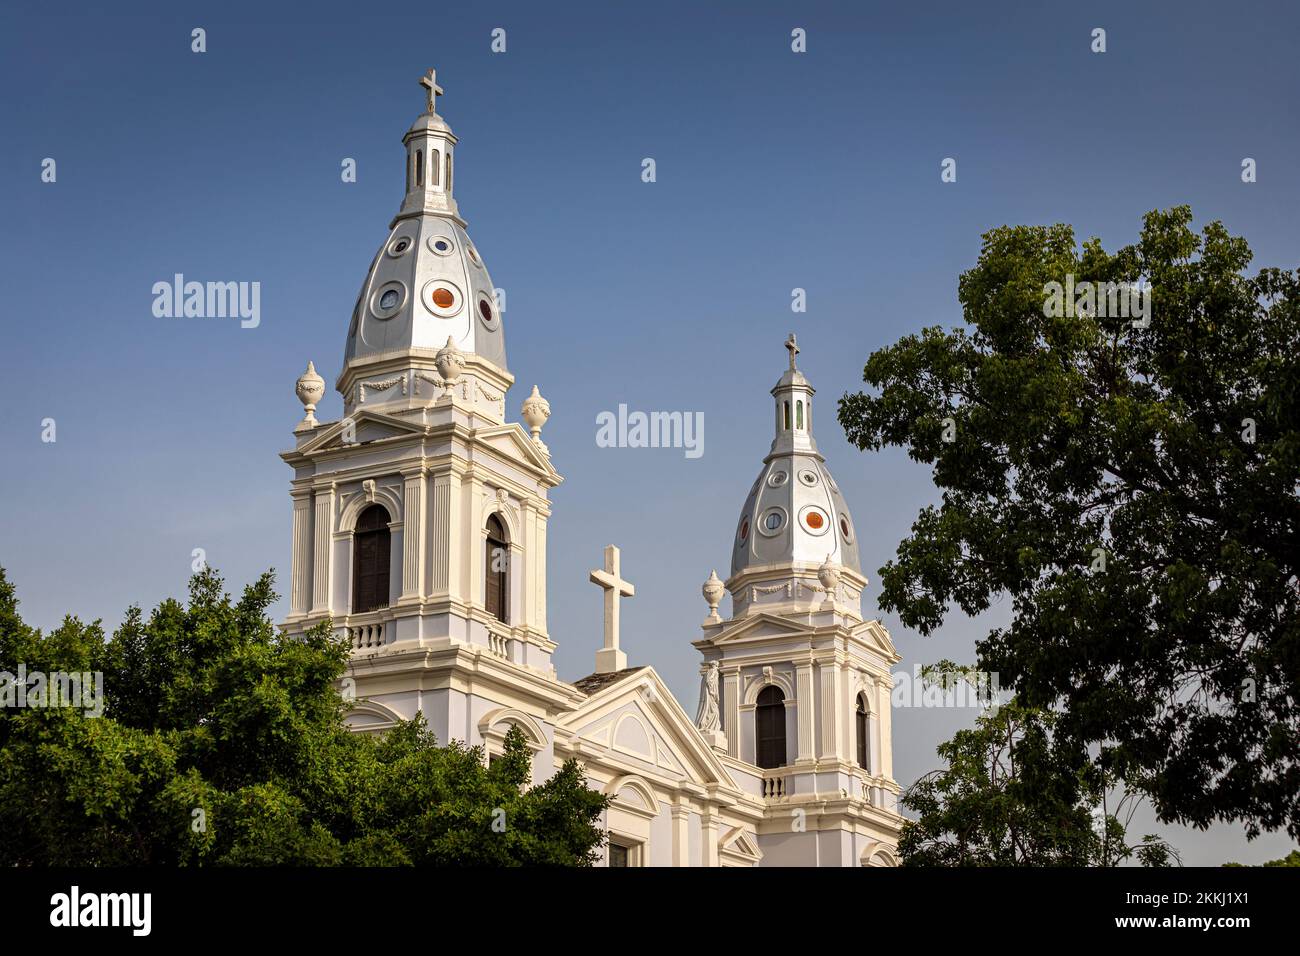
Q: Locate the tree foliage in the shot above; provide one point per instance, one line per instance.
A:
(223, 743)
(1133, 490)
(1012, 795)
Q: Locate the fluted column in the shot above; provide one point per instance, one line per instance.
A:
(440, 532)
(322, 550)
(413, 536)
(806, 709)
(300, 594)
(731, 710)
(829, 742)
(886, 750)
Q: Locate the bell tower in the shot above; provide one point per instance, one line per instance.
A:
(799, 682)
(420, 515)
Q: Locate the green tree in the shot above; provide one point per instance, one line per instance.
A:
(1291, 859)
(223, 743)
(1011, 795)
(1134, 490)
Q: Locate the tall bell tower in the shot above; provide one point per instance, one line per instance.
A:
(419, 517)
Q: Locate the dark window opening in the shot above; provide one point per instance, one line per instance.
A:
(497, 568)
(861, 722)
(371, 547)
(769, 728)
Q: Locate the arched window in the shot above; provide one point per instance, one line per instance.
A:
(861, 723)
(449, 172)
(370, 555)
(435, 166)
(419, 167)
(769, 728)
(497, 571)
(798, 415)
(787, 415)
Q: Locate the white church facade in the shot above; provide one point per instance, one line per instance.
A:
(419, 530)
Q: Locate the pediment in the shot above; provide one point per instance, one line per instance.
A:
(364, 426)
(511, 441)
(737, 846)
(636, 723)
(761, 627)
(874, 635)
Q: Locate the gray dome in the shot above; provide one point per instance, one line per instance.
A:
(427, 283)
(794, 513)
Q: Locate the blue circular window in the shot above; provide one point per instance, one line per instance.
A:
(389, 299)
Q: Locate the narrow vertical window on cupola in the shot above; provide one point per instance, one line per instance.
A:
(435, 166)
(798, 415)
(419, 167)
(786, 406)
(449, 172)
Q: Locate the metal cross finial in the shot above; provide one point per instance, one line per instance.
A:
(430, 83)
(793, 347)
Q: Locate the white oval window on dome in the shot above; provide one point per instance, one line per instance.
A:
(442, 298)
(771, 522)
(814, 520)
(400, 246)
(387, 300)
(441, 245)
(809, 478)
(777, 479)
(486, 313)
(846, 529)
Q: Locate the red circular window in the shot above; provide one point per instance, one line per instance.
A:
(485, 310)
(814, 519)
(744, 529)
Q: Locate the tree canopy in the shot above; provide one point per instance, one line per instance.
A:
(223, 742)
(1132, 486)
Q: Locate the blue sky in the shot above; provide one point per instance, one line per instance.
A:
(775, 170)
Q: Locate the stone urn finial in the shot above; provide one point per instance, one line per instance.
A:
(310, 389)
(449, 361)
(829, 576)
(536, 410)
(713, 591)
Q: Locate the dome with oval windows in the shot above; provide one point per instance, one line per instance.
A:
(428, 282)
(794, 513)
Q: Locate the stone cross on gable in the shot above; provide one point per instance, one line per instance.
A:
(430, 83)
(610, 658)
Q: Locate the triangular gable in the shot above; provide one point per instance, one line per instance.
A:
(367, 426)
(873, 634)
(737, 846)
(759, 627)
(763, 626)
(638, 717)
(512, 437)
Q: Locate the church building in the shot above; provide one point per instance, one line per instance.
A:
(419, 530)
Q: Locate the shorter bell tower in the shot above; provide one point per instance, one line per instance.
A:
(796, 684)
